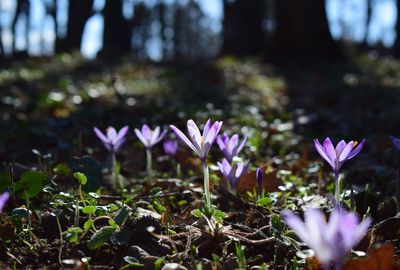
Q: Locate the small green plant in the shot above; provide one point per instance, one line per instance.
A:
(240, 257)
(27, 187)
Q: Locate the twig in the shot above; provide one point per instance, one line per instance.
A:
(147, 197)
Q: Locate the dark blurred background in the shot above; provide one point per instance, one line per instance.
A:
(186, 30)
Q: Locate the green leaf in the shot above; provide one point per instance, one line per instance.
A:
(88, 224)
(197, 213)
(81, 178)
(113, 224)
(113, 207)
(61, 168)
(99, 238)
(182, 202)
(30, 184)
(218, 215)
(122, 215)
(155, 191)
(91, 169)
(4, 181)
(20, 212)
(266, 201)
(158, 263)
(277, 223)
(73, 234)
(89, 209)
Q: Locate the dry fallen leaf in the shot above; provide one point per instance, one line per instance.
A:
(380, 258)
(248, 181)
(188, 161)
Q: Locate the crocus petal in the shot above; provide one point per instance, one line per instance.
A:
(213, 132)
(147, 134)
(111, 134)
(170, 147)
(141, 137)
(207, 127)
(348, 222)
(101, 136)
(183, 138)
(339, 147)
(396, 142)
(321, 151)
(118, 144)
(154, 135)
(162, 135)
(241, 169)
(296, 224)
(233, 144)
(316, 226)
(3, 200)
(242, 144)
(225, 138)
(220, 143)
(194, 134)
(356, 150)
(211, 135)
(346, 151)
(225, 167)
(360, 230)
(121, 134)
(329, 150)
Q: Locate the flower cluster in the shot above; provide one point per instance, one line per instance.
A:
(201, 145)
(232, 170)
(331, 241)
(336, 156)
(232, 173)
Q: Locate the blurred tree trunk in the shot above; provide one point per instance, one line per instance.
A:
(243, 32)
(79, 11)
(396, 45)
(368, 20)
(178, 38)
(51, 9)
(162, 10)
(1, 44)
(117, 30)
(302, 32)
(22, 9)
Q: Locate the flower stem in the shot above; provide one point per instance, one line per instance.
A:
(113, 169)
(337, 188)
(149, 160)
(178, 170)
(61, 241)
(206, 186)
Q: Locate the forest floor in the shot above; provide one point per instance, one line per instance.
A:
(50, 106)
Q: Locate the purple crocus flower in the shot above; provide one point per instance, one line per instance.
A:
(170, 147)
(149, 137)
(230, 146)
(341, 153)
(337, 156)
(232, 173)
(3, 200)
(259, 176)
(331, 241)
(396, 142)
(112, 140)
(199, 143)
